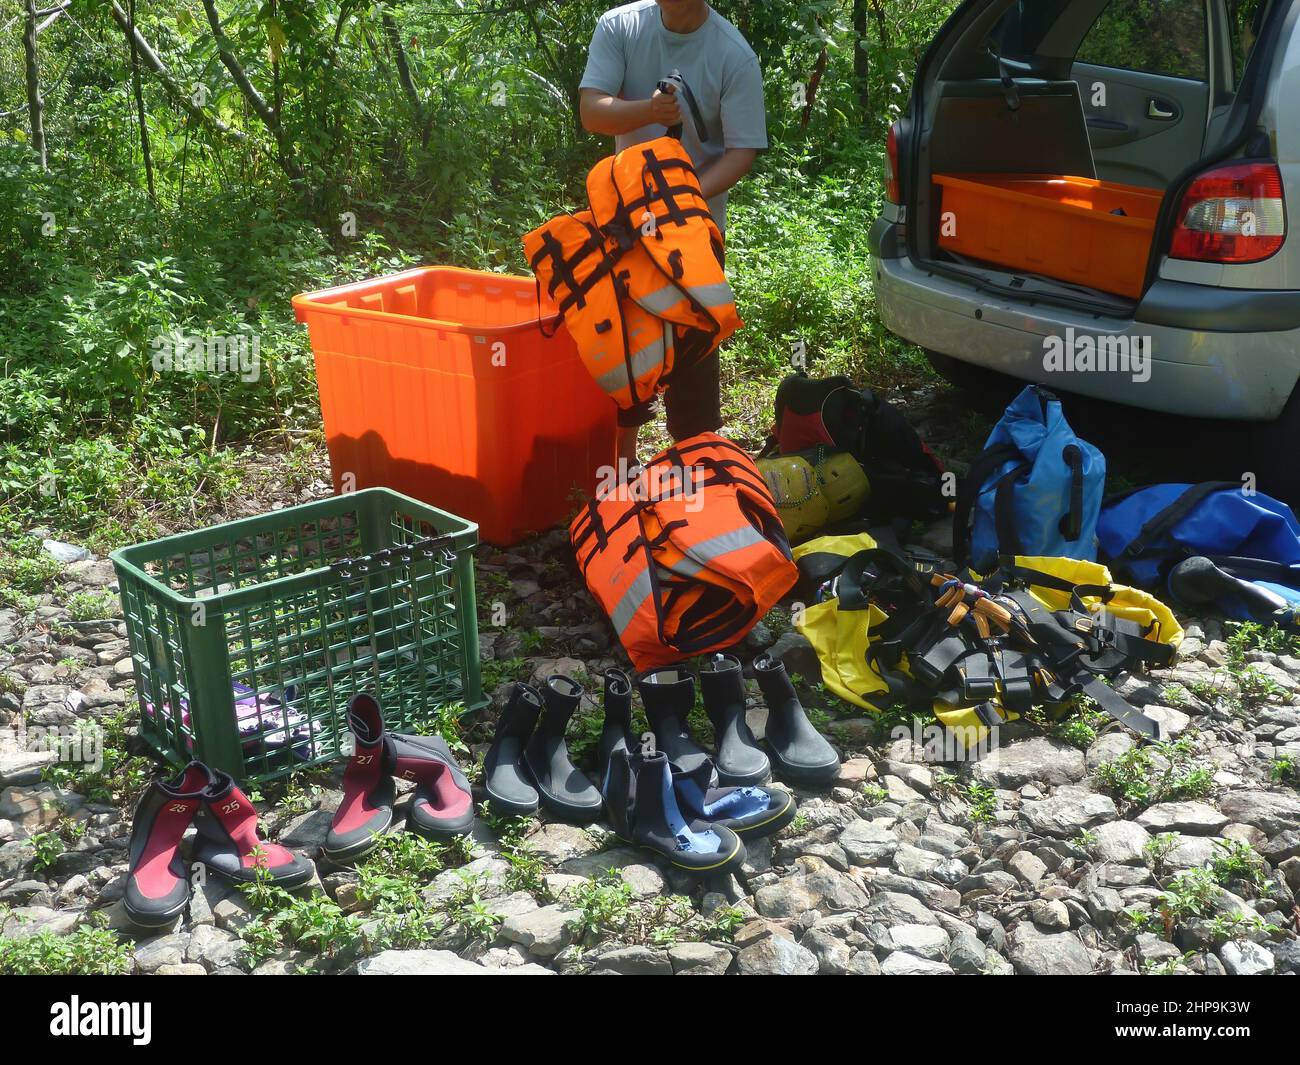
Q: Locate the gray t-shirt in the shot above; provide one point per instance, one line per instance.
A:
(631, 51)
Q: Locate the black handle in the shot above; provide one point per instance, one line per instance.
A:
(1072, 523)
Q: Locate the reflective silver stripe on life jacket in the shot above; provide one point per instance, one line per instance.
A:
(643, 362)
(664, 299)
(723, 544)
(718, 295)
(698, 557)
(661, 299)
(637, 593)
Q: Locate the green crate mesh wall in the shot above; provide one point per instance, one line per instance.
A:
(295, 661)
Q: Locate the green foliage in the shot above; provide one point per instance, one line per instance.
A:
(312, 923)
(1240, 867)
(99, 436)
(1157, 772)
(48, 846)
(119, 776)
(86, 951)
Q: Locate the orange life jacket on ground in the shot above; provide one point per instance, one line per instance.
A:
(638, 277)
(689, 556)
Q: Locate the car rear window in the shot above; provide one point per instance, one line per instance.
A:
(1155, 36)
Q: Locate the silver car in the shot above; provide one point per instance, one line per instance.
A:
(1197, 102)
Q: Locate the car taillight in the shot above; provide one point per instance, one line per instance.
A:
(1232, 214)
(891, 167)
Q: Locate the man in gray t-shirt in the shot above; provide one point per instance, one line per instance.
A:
(633, 48)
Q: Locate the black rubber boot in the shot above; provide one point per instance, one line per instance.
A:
(740, 761)
(366, 810)
(157, 881)
(616, 732)
(644, 812)
(506, 779)
(751, 812)
(668, 696)
(230, 844)
(800, 754)
(564, 788)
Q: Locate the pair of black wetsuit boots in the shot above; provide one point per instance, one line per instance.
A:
(662, 791)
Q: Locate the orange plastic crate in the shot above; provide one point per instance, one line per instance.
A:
(439, 383)
(1059, 226)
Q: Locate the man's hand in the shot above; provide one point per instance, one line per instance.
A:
(665, 108)
(603, 113)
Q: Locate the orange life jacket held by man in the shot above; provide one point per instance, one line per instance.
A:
(688, 557)
(638, 277)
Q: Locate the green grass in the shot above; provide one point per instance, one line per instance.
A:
(86, 951)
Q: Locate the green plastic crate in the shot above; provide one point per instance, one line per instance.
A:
(292, 613)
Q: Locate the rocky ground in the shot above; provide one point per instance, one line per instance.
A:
(1067, 850)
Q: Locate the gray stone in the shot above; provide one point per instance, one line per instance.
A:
(636, 961)
(1037, 760)
(699, 959)
(776, 956)
(869, 843)
(1035, 954)
(213, 948)
(24, 767)
(1026, 867)
(923, 940)
(169, 949)
(556, 842)
(967, 953)
(1050, 915)
(912, 861)
(437, 963)
(1271, 811)
(821, 889)
(832, 952)
(900, 963)
(798, 656)
(544, 932)
(1172, 722)
(307, 831)
(1107, 748)
(1192, 818)
(23, 922)
(1244, 958)
(896, 908)
(1121, 842)
(1068, 812)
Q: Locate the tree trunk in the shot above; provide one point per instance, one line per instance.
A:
(138, 92)
(814, 83)
(35, 105)
(861, 65)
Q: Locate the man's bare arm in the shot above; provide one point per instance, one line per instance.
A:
(731, 166)
(607, 114)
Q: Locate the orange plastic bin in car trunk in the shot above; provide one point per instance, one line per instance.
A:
(1092, 233)
(442, 384)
